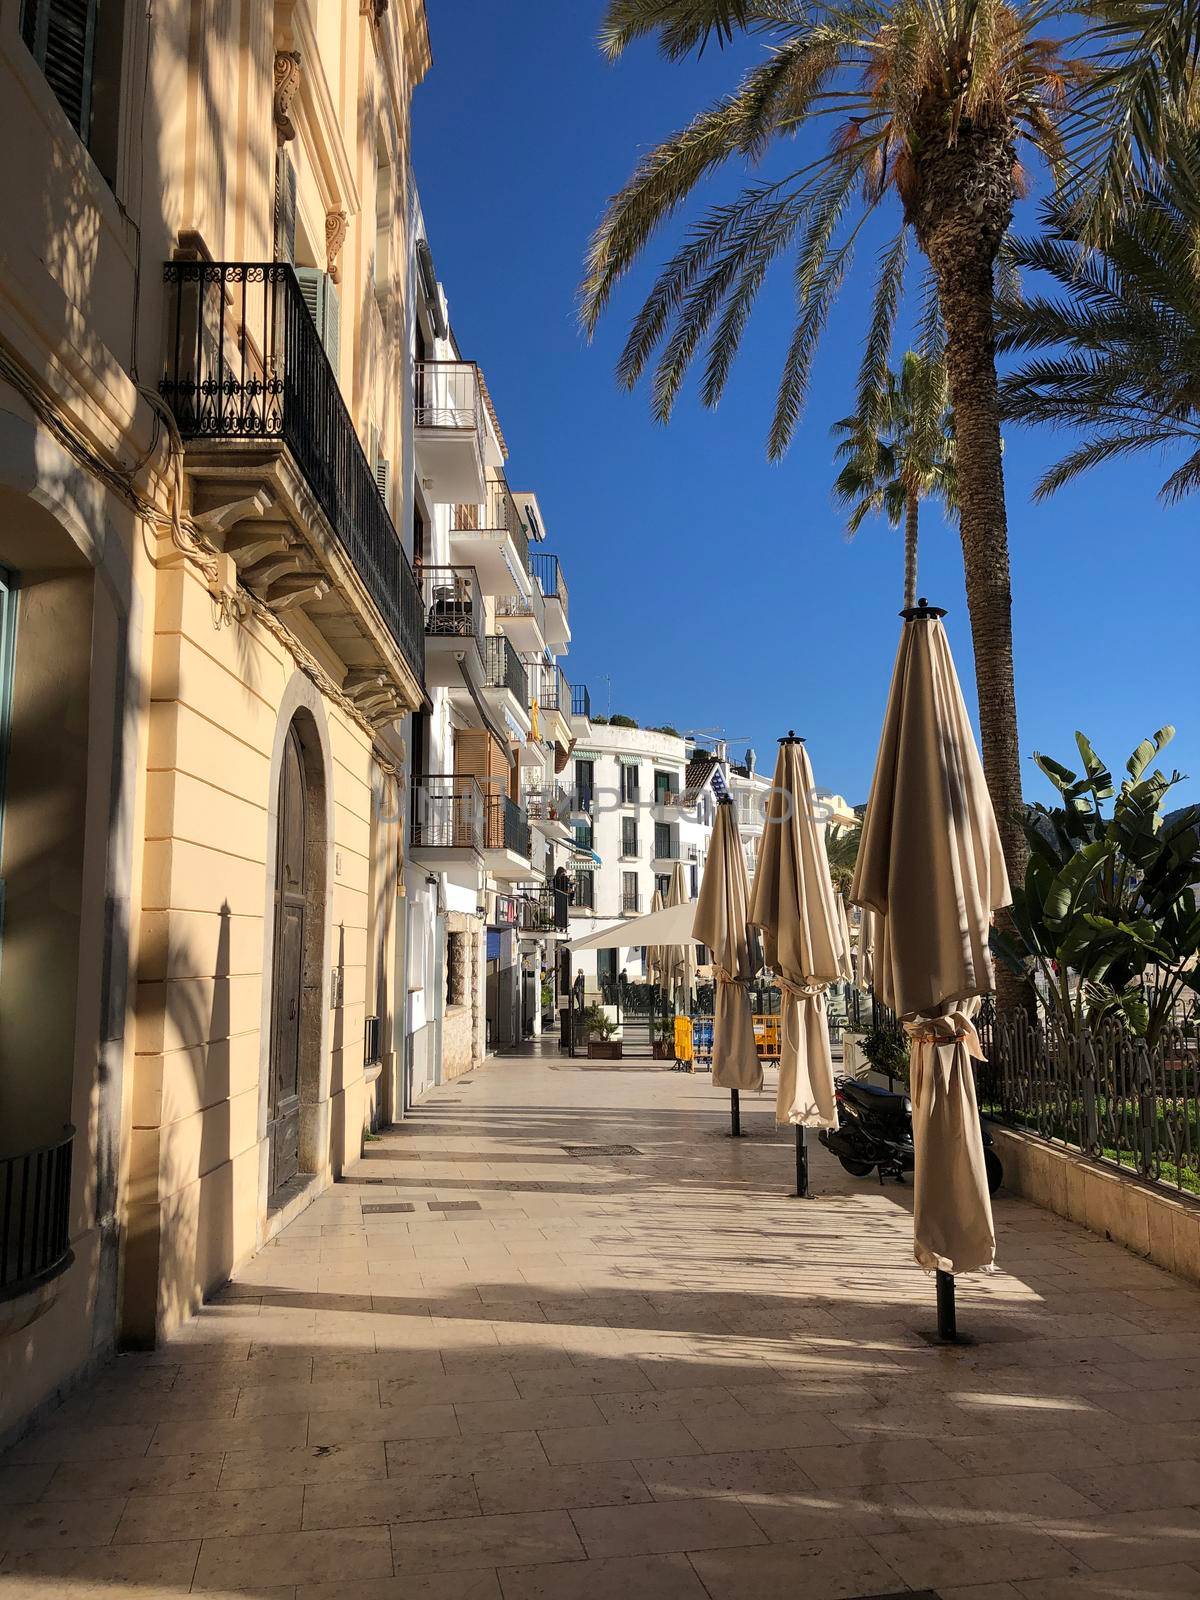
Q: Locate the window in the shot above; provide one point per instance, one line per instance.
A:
(629, 784)
(662, 883)
(321, 298)
(695, 880)
(664, 844)
(584, 834)
(585, 783)
(665, 783)
(629, 891)
(62, 37)
(584, 895)
(606, 967)
(629, 836)
(383, 224)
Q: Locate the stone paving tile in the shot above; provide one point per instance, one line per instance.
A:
(653, 1352)
(254, 1560)
(515, 1539)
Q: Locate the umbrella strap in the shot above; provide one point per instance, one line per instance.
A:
(954, 1028)
(796, 991)
(722, 975)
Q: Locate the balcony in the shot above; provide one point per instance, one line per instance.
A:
(454, 616)
(545, 911)
(447, 819)
(506, 683)
(523, 618)
(279, 479)
(506, 840)
(548, 810)
(666, 846)
(492, 538)
(35, 1216)
(450, 430)
(548, 574)
(581, 710)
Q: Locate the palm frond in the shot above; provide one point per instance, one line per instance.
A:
(814, 308)
(681, 25)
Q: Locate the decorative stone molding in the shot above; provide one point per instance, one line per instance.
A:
(336, 224)
(287, 86)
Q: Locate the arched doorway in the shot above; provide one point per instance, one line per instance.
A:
(298, 915)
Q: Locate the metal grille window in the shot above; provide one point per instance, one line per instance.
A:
(629, 892)
(665, 848)
(584, 890)
(629, 836)
(61, 35)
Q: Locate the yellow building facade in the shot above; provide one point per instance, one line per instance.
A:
(211, 642)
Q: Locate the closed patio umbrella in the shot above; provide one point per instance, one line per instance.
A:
(679, 960)
(866, 948)
(793, 903)
(653, 952)
(722, 915)
(930, 866)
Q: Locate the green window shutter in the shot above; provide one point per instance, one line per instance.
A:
(285, 207)
(61, 34)
(320, 296)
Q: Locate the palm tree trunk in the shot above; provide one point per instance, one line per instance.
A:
(912, 510)
(967, 205)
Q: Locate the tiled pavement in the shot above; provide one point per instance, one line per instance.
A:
(484, 1369)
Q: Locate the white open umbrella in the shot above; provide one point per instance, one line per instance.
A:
(793, 903)
(722, 917)
(931, 867)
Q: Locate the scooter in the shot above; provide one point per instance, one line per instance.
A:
(874, 1133)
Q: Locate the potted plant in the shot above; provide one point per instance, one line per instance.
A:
(887, 1051)
(664, 1039)
(600, 1029)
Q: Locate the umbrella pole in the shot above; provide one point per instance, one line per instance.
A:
(735, 1115)
(801, 1161)
(947, 1323)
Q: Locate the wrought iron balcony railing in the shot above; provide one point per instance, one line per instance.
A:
(548, 572)
(631, 902)
(35, 1216)
(448, 394)
(447, 813)
(581, 700)
(453, 604)
(245, 362)
(666, 846)
(545, 910)
(506, 826)
(520, 605)
(499, 514)
(504, 669)
(555, 693)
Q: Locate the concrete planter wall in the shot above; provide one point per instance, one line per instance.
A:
(1158, 1225)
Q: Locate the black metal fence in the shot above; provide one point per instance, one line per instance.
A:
(35, 1215)
(1101, 1090)
(545, 910)
(507, 826)
(504, 668)
(245, 361)
(447, 813)
(581, 700)
(548, 572)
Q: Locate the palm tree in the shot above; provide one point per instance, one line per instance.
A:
(1116, 353)
(841, 847)
(900, 456)
(927, 100)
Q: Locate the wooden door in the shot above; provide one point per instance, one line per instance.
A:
(287, 976)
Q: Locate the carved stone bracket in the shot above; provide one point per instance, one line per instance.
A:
(287, 85)
(336, 223)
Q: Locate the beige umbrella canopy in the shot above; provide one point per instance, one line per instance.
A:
(866, 948)
(653, 952)
(722, 914)
(931, 868)
(793, 903)
(679, 960)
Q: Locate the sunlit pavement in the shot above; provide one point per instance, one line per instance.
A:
(497, 1362)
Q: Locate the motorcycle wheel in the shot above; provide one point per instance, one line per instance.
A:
(995, 1170)
(857, 1169)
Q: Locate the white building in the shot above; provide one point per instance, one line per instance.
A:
(482, 916)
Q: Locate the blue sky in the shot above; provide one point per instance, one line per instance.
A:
(709, 588)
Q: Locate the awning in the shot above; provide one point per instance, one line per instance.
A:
(497, 729)
(630, 761)
(587, 755)
(672, 925)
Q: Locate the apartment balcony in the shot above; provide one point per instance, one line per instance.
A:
(549, 810)
(545, 911)
(454, 637)
(581, 710)
(448, 820)
(492, 538)
(506, 682)
(279, 479)
(507, 845)
(666, 848)
(548, 574)
(554, 705)
(453, 446)
(523, 618)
